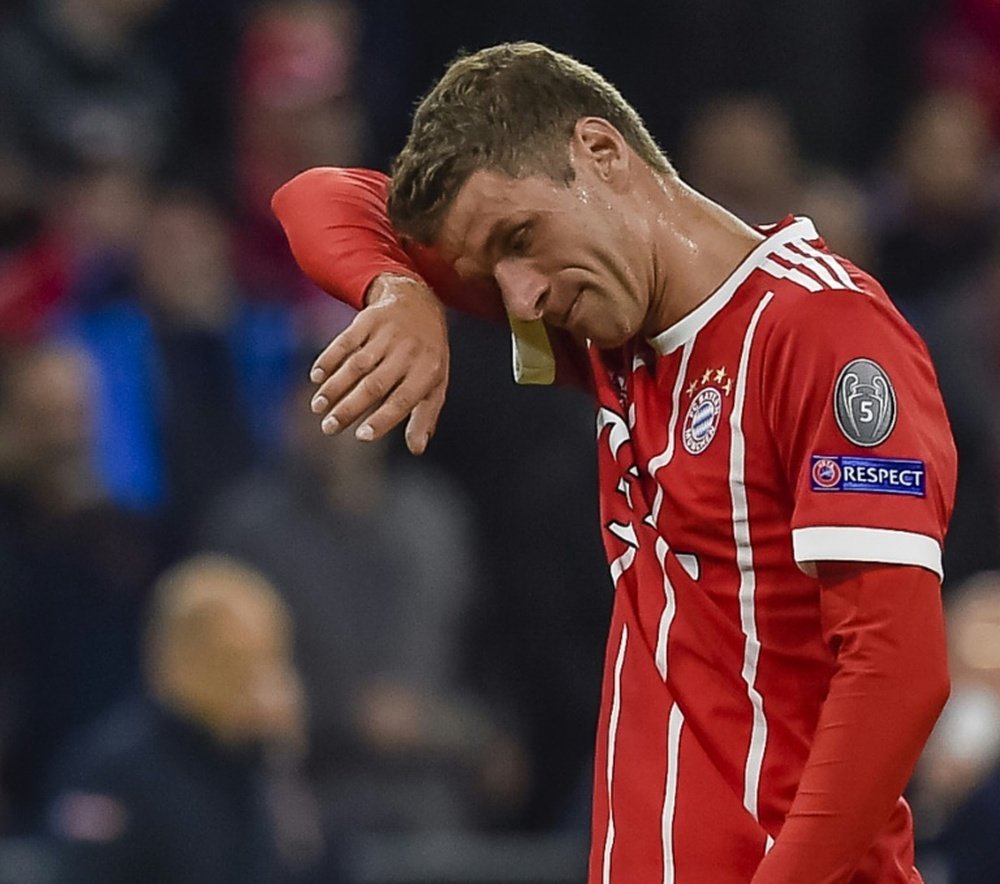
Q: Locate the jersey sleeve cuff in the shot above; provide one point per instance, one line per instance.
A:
(833, 543)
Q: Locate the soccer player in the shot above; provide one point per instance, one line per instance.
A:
(777, 470)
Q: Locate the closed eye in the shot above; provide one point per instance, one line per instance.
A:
(519, 240)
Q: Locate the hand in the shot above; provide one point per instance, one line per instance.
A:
(390, 362)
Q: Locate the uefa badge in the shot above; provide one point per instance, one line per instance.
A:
(702, 420)
(826, 473)
(864, 403)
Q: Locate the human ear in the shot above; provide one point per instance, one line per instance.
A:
(599, 144)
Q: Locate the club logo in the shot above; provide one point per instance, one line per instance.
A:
(702, 420)
(825, 472)
(864, 403)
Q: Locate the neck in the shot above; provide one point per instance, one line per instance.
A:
(697, 244)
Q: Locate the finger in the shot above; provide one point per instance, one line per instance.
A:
(399, 402)
(356, 367)
(340, 348)
(367, 394)
(423, 421)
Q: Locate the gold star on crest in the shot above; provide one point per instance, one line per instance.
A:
(692, 387)
(720, 375)
(706, 377)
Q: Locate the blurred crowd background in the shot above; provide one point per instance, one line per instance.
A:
(233, 650)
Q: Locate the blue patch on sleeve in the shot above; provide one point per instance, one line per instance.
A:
(881, 475)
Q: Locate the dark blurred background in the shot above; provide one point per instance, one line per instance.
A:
(434, 721)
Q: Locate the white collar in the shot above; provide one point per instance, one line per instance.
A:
(687, 327)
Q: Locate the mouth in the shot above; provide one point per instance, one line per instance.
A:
(566, 320)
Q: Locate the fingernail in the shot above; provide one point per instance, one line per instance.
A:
(319, 404)
(317, 375)
(365, 433)
(330, 424)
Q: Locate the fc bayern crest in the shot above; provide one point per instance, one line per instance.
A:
(864, 403)
(702, 420)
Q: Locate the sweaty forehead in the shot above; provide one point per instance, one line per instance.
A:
(484, 201)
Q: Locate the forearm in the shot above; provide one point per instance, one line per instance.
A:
(890, 685)
(338, 230)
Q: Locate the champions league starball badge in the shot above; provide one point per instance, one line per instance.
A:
(702, 420)
(864, 403)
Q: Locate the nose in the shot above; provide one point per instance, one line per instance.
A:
(524, 288)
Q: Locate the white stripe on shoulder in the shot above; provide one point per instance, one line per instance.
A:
(832, 262)
(838, 543)
(779, 271)
(808, 262)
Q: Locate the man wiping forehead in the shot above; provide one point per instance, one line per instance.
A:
(776, 653)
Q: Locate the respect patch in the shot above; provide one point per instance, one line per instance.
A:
(881, 475)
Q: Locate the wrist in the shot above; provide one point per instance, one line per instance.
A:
(390, 285)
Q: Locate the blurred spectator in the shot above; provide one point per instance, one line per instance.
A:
(958, 802)
(298, 107)
(196, 782)
(191, 375)
(73, 566)
(76, 87)
(539, 619)
(937, 225)
(742, 151)
(840, 209)
(938, 210)
(101, 213)
(34, 266)
(375, 563)
(962, 330)
(963, 52)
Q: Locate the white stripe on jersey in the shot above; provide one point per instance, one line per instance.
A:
(807, 262)
(888, 546)
(669, 609)
(676, 722)
(748, 578)
(838, 269)
(657, 463)
(778, 271)
(616, 708)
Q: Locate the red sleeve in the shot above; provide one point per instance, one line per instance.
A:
(339, 232)
(886, 628)
(860, 429)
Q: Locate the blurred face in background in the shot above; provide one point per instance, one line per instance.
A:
(944, 155)
(742, 152)
(131, 13)
(47, 420)
(185, 260)
(221, 655)
(298, 106)
(105, 210)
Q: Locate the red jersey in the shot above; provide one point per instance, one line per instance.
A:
(792, 418)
